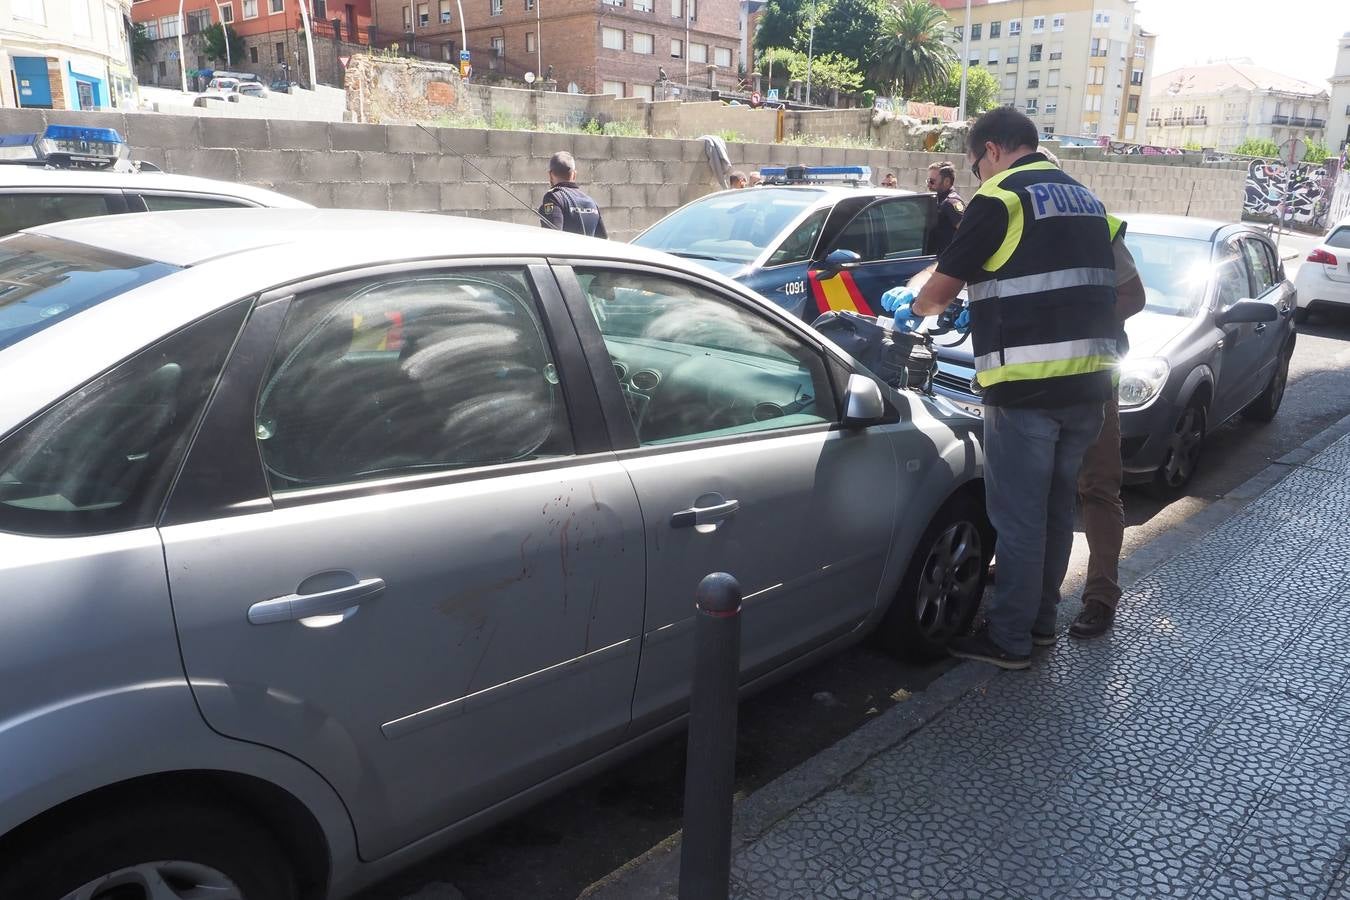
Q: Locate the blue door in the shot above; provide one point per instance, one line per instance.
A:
(35, 87)
(891, 240)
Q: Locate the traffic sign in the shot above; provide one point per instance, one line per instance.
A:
(344, 60)
(465, 70)
(755, 99)
(773, 95)
(464, 56)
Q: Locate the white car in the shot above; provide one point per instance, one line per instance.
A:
(1323, 280)
(31, 196)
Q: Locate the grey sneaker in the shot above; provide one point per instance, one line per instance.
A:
(1094, 620)
(980, 646)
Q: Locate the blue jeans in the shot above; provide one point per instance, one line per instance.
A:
(1031, 462)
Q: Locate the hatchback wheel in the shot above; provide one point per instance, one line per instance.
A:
(1264, 407)
(943, 584)
(187, 852)
(1184, 445)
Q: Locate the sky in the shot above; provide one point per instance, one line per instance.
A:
(1293, 37)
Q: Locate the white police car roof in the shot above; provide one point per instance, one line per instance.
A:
(25, 176)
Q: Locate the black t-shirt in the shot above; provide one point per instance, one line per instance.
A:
(951, 209)
(982, 230)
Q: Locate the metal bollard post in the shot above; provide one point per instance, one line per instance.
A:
(710, 770)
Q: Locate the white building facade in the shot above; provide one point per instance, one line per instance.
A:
(66, 54)
(1338, 119)
(1223, 104)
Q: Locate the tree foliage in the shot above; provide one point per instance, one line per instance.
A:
(1317, 152)
(914, 49)
(846, 28)
(213, 43)
(141, 44)
(982, 89)
(1258, 147)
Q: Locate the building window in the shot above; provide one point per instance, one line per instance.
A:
(643, 91)
(227, 12)
(276, 6)
(198, 20)
(1056, 50)
(1035, 54)
(1139, 48)
(529, 42)
(1038, 24)
(1014, 26)
(407, 18)
(958, 33)
(1051, 108)
(1101, 18)
(448, 51)
(1052, 78)
(1012, 59)
(253, 54)
(163, 69)
(444, 12)
(423, 15)
(975, 31)
(993, 56)
(1033, 82)
(698, 53)
(643, 43)
(1010, 81)
(31, 10)
(1129, 132)
(1133, 105)
(1057, 23)
(677, 9)
(995, 29)
(151, 29)
(498, 45)
(250, 9)
(1098, 47)
(643, 6)
(975, 58)
(612, 87)
(676, 48)
(279, 49)
(613, 2)
(1031, 106)
(494, 7)
(722, 57)
(611, 38)
(1137, 76)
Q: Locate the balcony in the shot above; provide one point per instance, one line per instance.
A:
(1317, 123)
(1197, 120)
(1297, 121)
(1175, 120)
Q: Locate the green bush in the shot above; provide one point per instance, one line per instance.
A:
(1258, 147)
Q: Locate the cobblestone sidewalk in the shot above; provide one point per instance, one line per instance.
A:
(1202, 750)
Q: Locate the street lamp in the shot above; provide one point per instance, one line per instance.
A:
(309, 42)
(965, 66)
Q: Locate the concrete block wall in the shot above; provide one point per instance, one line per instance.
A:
(635, 180)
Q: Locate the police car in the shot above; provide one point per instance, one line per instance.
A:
(809, 239)
(70, 172)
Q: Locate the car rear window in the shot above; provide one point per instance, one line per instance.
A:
(29, 210)
(44, 280)
(1340, 238)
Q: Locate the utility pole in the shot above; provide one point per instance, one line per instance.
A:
(309, 42)
(538, 36)
(686, 42)
(965, 65)
(810, 52)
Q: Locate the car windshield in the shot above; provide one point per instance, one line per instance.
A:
(1174, 270)
(735, 226)
(43, 280)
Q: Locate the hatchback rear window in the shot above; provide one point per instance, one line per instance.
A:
(1340, 238)
(44, 280)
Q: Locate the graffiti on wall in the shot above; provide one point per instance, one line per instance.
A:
(1299, 194)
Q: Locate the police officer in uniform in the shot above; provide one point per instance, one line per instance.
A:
(1035, 249)
(951, 207)
(566, 206)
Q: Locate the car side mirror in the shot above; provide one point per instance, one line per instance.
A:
(835, 261)
(1247, 311)
(863, 403)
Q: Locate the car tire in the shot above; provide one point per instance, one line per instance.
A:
(1265, 406)
(1185, 444)
(943, 583)
(113, 853)
(1301, 315)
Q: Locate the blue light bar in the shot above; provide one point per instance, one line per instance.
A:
(820, 174)
(65, 146)
(81, 133)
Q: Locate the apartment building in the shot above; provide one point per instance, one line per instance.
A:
(66, 54)
(592, 46)
(1223, 104)
(1076, 67)
(1338, 117)
(272, 31)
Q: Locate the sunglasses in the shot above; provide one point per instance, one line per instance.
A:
(975, 166)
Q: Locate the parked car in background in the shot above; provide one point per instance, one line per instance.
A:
(1214, 340)
(1323, 281)
(71, 173)
(251, 89)
(222, 85)
(780, 240)
(339, 535)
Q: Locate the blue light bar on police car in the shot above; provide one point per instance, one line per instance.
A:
(817, 174)
(71, 145)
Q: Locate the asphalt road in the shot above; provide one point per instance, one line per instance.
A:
(557, 849)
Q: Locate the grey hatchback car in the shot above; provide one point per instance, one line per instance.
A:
(331, 537)
(1214, 341)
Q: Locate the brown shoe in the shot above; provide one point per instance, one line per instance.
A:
(1094, 620)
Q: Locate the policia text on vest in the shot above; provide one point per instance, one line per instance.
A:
(567, 207)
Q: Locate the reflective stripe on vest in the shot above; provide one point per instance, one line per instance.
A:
(1079, 365)
(1048, 281)
(1062, 351)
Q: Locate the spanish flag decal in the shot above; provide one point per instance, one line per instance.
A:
(839, 292)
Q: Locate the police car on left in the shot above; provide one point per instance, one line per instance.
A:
(71, 172)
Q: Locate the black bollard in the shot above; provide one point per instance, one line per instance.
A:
(710, 770)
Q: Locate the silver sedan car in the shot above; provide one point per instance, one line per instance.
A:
(331, 537)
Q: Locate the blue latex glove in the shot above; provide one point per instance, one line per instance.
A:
(962, 323)
(892, 300)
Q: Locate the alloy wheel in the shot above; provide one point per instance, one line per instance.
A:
(160, 880)
(949, 583)
(1183, 453)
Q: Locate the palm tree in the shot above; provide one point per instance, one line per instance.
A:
(915, 48)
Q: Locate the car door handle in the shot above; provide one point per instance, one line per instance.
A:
(705, 515)
(301, 606)
(1261, 326)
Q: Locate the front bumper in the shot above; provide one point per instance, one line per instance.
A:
(1144, 432)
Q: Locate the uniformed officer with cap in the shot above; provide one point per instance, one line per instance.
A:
(566, 206)
(951, 207)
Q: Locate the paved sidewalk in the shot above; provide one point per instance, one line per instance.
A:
(1202, 750)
